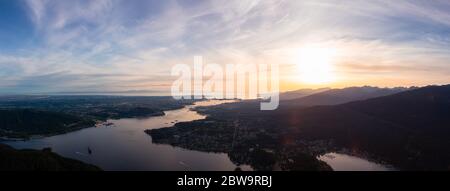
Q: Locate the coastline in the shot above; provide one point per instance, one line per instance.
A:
(96, 123)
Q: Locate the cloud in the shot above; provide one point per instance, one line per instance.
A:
(81, 42)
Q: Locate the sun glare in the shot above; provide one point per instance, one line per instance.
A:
(315, 65)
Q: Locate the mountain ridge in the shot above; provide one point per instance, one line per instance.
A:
(344, 95)
(409, 129)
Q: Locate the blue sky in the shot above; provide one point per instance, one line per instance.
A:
(130, 45)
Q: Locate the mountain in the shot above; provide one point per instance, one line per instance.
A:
(300, 93)
(34, 160)
(410, 130)
(340, 96)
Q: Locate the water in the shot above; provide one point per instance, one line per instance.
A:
(125, 145)
(344, 162)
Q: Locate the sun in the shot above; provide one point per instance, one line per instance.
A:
(315, 65)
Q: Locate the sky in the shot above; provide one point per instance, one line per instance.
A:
(51, 46)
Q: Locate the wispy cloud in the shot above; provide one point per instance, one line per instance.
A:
(83, 43)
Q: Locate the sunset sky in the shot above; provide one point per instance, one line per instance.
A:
(51, 46)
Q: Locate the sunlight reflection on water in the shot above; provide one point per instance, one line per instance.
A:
(344, 162)
(125, 146)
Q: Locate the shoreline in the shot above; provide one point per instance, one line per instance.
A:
(137, 127)
(98, 123)
(103, 123)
